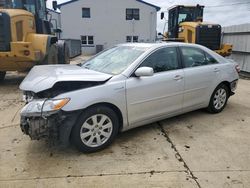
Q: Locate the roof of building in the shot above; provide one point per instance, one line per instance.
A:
(149, 4)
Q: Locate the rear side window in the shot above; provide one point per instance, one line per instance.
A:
(164, 59)
(193, 57)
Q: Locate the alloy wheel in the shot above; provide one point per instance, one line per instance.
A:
(96, 130)
(220, 98)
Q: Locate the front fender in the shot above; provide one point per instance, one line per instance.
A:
(110, 92)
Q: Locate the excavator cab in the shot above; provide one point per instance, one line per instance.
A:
(37, 8)
(179, 14)
(185, 24)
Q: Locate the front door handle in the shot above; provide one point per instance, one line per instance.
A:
(216, 70)
(178, 77)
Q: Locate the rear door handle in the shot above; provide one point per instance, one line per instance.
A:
(178, 77)
(216, 70)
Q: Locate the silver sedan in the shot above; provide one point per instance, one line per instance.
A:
(121, 88)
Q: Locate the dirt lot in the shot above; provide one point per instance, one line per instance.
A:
(192, 150)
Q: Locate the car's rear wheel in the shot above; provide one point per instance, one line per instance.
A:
(95, 129)
(218, 99)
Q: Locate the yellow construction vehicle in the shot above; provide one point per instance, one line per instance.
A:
(26, 38)
(185, 24)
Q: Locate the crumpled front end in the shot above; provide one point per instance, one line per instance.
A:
(51, 125)
(41, 127)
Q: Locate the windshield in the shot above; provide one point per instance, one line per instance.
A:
(115, 60)
(37, 7)
(189, 14)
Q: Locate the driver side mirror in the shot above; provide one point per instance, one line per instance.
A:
(54, 5)
(144, 71)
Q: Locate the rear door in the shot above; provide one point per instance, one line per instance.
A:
(201, 74)
(158, 95)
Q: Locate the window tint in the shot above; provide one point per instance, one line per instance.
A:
(86, 12)
(193, 57)
(210, 59)
(162, 60)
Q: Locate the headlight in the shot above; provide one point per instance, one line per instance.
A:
(43, 106)
(53, 105)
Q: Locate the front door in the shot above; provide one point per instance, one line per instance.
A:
(149, 98)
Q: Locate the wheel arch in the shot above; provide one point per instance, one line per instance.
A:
(113, 107)
(227, 83)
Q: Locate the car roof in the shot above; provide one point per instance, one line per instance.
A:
(159, 44)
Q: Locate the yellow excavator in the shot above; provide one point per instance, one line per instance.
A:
(185, 24)
(26, 38)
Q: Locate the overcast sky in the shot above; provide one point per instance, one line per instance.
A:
(223, 12)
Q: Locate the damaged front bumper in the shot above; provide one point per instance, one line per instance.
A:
(54, 126)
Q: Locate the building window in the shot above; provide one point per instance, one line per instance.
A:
(132, 13)
(86, 12)
(87, 40)
(132, 38)
(129, 39)
(135, 38)
(90, 40)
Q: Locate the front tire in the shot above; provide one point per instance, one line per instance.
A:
(218, 99)
(96, 128)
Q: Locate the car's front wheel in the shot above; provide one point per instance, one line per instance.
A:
(218, 99)
(95, 129)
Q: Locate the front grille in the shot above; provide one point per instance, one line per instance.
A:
(4, 32)
(209, 36)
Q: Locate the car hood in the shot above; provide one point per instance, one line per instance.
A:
(44, 77)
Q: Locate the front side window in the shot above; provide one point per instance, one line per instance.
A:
(132, 13)
(87, 40)
(86, 12)
(164, 59)
(115, 60)
(193, 57)
(210, 59)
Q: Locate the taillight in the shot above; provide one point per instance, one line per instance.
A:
(237, 68)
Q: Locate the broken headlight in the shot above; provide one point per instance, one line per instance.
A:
(45, 105)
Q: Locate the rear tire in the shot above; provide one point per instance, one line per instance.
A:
(2, 75)
(95, 129)
(218, 100)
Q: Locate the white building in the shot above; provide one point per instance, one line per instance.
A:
(108, 22)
